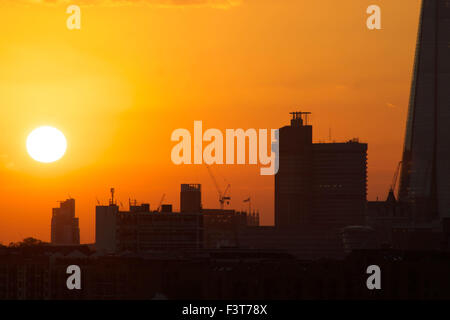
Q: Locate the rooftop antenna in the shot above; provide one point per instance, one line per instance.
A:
(132, 202)
(112, 196)
(297, 117)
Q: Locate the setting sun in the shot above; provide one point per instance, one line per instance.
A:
(46, 144)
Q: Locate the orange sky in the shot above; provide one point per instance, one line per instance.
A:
(135, 72)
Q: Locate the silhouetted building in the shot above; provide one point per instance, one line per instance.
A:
(65, 228)
(141, 229)
(293, 182)
(339, 183)
(308, 242)
(166, 208)
(222, 227)
(359, 238)
(318, 183)
(230, 274)
(320, 188)
(385, 216)
(106, 227)
(416, 220)
(190, 198)
(425, 175)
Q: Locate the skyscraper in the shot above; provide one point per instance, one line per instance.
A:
(294, 178)
(339, 184)
(65, 229)
(425, 175)
(319, 183)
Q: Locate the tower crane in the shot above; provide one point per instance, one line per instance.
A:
(249, 200)
(224, 198)
(394, 181)
(161, 202)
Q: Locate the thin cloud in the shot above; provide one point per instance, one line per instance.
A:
(220, 4)
(391, 105)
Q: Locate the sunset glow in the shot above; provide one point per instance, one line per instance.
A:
(135, 72)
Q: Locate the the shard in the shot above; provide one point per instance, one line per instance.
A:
(425, 175)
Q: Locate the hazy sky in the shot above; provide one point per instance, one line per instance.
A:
(137, 70)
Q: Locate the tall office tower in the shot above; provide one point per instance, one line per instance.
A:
(191, 198)
(339, 183)
(65, 229)
(319, 183)
(425, 175)
(293, 180)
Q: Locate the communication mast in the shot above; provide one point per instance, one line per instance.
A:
(297, 117)
(112, 201)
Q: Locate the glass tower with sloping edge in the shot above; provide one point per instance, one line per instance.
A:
(425, 175)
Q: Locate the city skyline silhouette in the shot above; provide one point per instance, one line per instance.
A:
(357, 208)
(117, 102)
